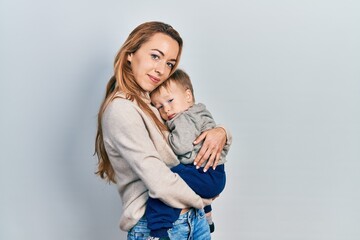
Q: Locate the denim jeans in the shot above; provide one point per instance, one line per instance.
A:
(191, 225)
(160, 217)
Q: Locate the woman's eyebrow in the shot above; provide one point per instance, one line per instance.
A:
(154, 49)
(162, 54)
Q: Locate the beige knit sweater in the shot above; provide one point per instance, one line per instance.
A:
(141, 158)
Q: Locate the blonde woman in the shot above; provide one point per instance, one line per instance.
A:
(131, 141)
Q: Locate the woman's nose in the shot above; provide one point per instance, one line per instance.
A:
(160, 68)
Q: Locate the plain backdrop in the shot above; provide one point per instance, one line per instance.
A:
(282, 75)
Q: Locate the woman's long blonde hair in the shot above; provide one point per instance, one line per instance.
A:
(124, 81)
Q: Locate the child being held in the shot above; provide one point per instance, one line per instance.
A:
(186, 120)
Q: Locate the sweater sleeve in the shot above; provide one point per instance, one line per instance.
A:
(183, 132)
(129, 137)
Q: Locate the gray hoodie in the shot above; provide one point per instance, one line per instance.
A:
(185, 127)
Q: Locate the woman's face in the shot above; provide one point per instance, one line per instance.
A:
(152, 63)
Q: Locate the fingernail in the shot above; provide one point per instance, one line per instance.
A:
(197, 167)
(195, 163)
(205, 170)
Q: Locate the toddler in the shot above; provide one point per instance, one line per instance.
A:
(185, 120)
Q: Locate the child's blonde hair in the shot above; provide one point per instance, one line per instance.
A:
(179, 77)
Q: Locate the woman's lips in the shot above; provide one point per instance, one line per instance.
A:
(154, 79)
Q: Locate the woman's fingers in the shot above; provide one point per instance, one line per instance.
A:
(200, 138)
(200, 156)
(214, 142)
(217, 159)
(211, 162)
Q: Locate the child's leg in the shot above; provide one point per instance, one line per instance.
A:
(160, 217)
(207, 209)
(207, 184)
(210, 221)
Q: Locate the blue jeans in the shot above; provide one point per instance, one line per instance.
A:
(191, 225)
(160, 217)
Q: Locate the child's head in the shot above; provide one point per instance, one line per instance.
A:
(173, 96)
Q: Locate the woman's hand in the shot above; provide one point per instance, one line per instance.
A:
(208, 201)
(214, 142)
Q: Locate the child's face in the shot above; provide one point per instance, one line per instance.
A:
(173, 100)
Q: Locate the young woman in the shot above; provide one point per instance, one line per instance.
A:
(131, 141)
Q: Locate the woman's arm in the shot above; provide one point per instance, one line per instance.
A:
(135, 157)
(214, 142)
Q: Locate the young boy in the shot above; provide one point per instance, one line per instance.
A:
(185, 120)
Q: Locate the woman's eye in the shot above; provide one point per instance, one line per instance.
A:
(171, 65)
(159, 107)
(171, 100)
(155, 57)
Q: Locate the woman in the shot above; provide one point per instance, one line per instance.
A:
(131, 140)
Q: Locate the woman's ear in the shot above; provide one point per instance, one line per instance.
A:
(129, 57)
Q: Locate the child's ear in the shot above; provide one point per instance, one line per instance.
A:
(189, 96)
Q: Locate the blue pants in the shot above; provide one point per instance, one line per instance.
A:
(191, 225)
(160, 217)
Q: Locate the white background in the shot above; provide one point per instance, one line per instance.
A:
(284, 76)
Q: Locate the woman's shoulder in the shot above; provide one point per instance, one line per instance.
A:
(121, 107)
(120, 101)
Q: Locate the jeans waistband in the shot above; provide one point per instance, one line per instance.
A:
(192, 212)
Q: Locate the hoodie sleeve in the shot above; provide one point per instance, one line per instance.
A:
(183, 132)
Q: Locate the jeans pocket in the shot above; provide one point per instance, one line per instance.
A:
(139, 232)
